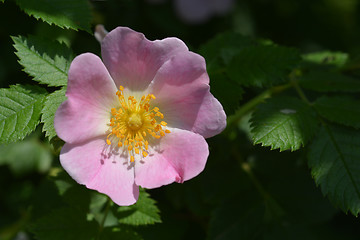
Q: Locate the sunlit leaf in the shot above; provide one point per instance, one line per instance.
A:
(63, 13)
(284, 123)
(143, 212)
(20, 109)
(46, 61)
(51, 104)
(327, 58)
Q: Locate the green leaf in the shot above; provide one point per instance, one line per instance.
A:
(226, 91)
(337, 59)
(65, 223)
(263, 65)
(143, 212)
(63, 13)
(51, 104)
(2, 1)
(342, 110)
(20, 109)
(323, 81)
(284, 123)
(46, 61)
(334, 159)
(26, 156)
(220, 50)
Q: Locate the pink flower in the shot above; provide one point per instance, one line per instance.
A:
(139, 118)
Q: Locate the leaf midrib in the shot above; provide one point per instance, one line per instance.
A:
(34, 52)
(341, 155)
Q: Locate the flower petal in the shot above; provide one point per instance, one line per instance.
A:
(183, 95)
(91, 93)
(180, 156)
(93, 165)
(133, 60)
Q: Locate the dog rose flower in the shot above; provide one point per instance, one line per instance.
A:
(139, 118)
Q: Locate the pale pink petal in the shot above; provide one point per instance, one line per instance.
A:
(91, 93)
(211, 117)
(180, 156)
(133, 60)
(94, 165)
(183, 96)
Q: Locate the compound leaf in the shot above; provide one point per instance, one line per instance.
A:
(20, 109)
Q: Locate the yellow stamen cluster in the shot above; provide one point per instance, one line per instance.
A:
(133, 122)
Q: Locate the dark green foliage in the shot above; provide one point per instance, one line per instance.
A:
(334, 159)
(65, 223)
(263, 65)
(342, 110)
(322, 81)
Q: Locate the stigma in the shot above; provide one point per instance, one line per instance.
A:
(134, 123)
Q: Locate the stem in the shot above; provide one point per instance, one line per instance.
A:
(247, 169)
(247, 107)
(106, 211)
(299, 91)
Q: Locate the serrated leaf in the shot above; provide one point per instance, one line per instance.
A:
(284, 123)
(46, 61)
(143, 212)
(20, 109)
(63, 13)
(342, 110)
(323, 81)
(263, 65)
(220, 50)
(51, 104)
(65, 223)
(334, 159)
(337, 59)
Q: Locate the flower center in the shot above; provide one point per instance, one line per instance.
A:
(133, 123)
